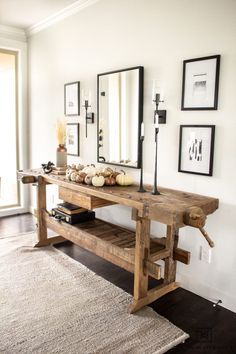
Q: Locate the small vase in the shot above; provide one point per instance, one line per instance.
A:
(61, 156)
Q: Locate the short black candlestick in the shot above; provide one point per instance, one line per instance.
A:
(141, 188)
(155, 190)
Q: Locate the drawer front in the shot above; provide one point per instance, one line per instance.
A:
(85, 201)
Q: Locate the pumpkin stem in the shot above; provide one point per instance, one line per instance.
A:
(123, 171)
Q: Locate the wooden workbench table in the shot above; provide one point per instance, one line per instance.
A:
(137, 251)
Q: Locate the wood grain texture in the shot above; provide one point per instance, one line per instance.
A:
(142, 251)
(153, 295)
(170, 263)
(86, 201)
(28, 179)
(50, 241)
(169, 207)
(179, 254)
(41, 206)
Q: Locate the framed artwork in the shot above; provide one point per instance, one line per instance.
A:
(72, 99)
(196, 149)
(200, 83)
(72, 139)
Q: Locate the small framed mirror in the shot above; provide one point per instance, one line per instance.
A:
(120, 114)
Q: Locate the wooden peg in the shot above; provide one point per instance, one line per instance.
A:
(28, 179)
(207, 237)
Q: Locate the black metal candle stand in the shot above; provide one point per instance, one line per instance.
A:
(155, 190)
(141, 187)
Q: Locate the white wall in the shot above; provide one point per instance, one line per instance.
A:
(14, 39)
(159, 35)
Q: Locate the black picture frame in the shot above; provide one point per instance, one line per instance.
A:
(198, 164)
(68, 145)
(196, 93)
(101, 159)
(72, 97)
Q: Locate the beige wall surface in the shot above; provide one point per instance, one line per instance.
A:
(115, 34)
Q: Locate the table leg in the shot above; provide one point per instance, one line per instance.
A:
(172, 238)
(41, 205)
(142, 250)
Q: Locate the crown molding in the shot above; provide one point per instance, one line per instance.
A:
(59, 16)
(13, 33)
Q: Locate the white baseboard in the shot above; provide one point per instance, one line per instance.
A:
(207, 292)
(13, 211)
(31, 209)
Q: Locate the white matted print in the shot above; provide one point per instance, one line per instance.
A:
(200, 83)
(72, 139)
(72, 99)
(196, 149)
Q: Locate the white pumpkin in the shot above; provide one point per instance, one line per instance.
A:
(124, 180)
(90, 170)
(98, 181)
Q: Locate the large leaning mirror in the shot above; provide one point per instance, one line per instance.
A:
(120, 114)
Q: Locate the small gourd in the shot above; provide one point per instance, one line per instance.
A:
(79, 167)
(116, 173)
(110, 180)
(90, 170)
(124, 180)
(79, 178)
(107, 171)
(88, 179)
(69, 171)
(82, 175)
(73, 176)
(98, 181)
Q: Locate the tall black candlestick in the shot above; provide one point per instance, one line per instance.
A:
(155, 190)
(141, 188)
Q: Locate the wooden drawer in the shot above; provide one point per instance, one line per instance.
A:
(85, 201)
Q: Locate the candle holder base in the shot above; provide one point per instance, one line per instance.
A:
(142, 190)
(156, 192)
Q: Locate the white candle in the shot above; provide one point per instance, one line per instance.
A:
(156, 120)
(142, 129)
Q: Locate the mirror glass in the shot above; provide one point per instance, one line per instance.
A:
(120, 108)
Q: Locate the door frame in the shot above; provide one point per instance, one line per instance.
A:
(20, 49)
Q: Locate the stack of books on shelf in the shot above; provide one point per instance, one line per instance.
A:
(59, 170)
(72, 214)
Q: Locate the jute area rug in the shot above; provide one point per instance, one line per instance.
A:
(50, 303)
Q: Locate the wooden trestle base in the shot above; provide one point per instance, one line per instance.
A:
(136, 251)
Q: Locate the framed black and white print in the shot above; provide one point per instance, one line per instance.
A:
(72, 139)
(200, 83)
(72, 99)
(196, 149)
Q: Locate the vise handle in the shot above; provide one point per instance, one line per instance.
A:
(195, 217)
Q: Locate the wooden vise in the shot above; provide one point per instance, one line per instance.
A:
(195, 217)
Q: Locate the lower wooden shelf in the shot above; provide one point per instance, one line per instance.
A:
(111, 242)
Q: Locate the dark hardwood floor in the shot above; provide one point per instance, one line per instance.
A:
(212, 330)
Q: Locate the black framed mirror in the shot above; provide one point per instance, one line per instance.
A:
(120, 114)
